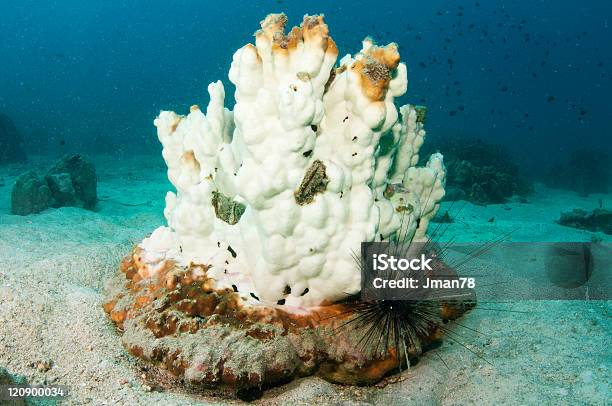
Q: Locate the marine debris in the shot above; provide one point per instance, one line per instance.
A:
(70, 182)
(247, 285)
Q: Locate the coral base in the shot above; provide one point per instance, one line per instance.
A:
(207, 338)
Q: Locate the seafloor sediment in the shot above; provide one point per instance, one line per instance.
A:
(52, 328)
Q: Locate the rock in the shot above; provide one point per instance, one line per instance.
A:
(61, 188)
(11, 143)
(7, 379)
(31, 194)
(44, 365)
(597, 220)
(83, 175)
(479, 172)
(70, 182)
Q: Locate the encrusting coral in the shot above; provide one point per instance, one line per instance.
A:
(242, 288)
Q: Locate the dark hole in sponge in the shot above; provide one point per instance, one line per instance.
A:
(235, 288)
(287, 290)
(313, 128)
(253, 296)
(281, 302)
(307, 153)
(304, 292)
(231, 250)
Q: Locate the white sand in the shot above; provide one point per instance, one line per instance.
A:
(53, 267)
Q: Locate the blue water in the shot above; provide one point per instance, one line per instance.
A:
(91, 75)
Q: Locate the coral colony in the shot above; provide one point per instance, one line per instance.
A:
(247, 284)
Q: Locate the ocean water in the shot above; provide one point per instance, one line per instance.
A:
(532, 75)
(517, 96)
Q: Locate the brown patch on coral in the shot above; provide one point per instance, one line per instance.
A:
(314, 182)
(251, 48)
(374, 69)
(177, 121)
(227, 209)
(188, 159)
(272, 24)
(313, 29)
(330, 79)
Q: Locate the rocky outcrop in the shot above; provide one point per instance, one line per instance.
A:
(31, 194)
(82, 175)
(479, 172)
(597, 220)
(70, 182)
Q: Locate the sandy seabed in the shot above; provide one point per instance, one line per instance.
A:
(53, 267)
